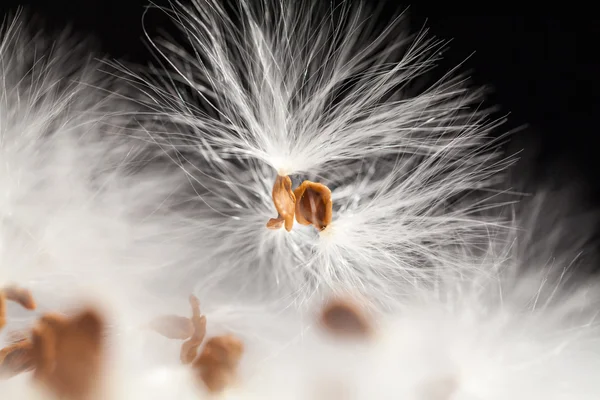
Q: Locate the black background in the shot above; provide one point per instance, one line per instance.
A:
(540, 65)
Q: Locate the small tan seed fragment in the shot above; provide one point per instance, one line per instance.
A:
(284, 201)
(217, 364)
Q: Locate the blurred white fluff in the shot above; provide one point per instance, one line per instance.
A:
(316, 91)
(514, 328)
(520, 325)
(85, 208)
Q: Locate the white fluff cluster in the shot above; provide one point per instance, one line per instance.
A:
(85, 208)
(132, 200)
(319, 92)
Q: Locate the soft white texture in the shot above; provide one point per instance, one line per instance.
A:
(507, 330)
(85, 208)
(319, 92)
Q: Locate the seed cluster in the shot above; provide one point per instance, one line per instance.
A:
(310, 203)
(66, 353)
(344, 318)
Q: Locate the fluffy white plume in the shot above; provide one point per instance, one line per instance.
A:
(515, 328)
(316, 91)
(85, 208)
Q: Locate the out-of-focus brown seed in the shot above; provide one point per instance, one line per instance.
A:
(217, 364)
(313, 205)
(173, 327)
(68, 354)
(284, 201)
(189, 348)
(21, 296)
(344, 318)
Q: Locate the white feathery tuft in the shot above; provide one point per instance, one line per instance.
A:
(94, 209)
(86, 208)
(318, 92)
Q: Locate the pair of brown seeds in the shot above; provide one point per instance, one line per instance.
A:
(217, 364)
(310, 203)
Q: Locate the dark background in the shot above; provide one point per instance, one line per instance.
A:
(539, 65)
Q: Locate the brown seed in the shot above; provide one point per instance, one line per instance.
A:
(217, 365)
(284, 201)
(189, 348)
(313, 205)
(16, 358)
(68, 354)
(173, 327)
(344, 318)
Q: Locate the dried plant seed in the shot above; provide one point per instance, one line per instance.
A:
(313, 205)
(285, 203)
(217, 365)
(345, 319)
